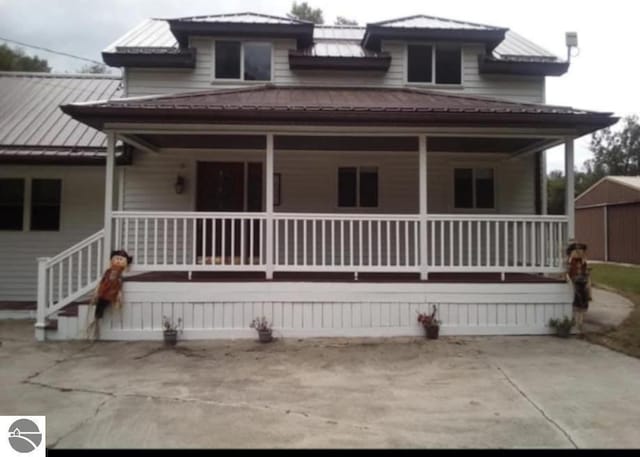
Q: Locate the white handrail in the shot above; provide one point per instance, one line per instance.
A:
(67, 277)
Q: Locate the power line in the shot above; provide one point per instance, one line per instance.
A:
(50, 50)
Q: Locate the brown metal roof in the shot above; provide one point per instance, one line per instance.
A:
(336, 106)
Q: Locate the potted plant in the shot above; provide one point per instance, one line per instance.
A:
(263, 327)
(562, 326)
(430, 323)
(170, 330)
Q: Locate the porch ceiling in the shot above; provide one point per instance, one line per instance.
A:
(287, 105)
(341, 143)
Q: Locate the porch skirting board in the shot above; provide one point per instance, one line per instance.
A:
(298, 309)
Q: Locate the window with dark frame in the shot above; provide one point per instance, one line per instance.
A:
(445, 68)
(248, 61)
(358, 187)
(227, 60)
(11, 203)
(45, 204)
(473, 188)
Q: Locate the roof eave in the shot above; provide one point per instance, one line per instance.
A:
(299, 61)
(186, 58)
(581, 124)
(181, 29)
(375, 33)
(489, 65)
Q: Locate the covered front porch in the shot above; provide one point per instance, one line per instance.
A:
(275, 191)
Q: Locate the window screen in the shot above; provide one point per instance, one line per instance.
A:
(448, 64)
(484, 188)
(11, 204)
(463, 187)
(419, 62)
(347, 186)
(257, 61)
(45, 204)
(227, 59)
(368, 187)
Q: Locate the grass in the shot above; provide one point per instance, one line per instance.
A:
(626, 281)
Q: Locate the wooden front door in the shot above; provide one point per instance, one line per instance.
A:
(221, 187)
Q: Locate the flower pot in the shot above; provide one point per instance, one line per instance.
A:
(265, 336)
(170, 337)
(432, 332)
(563, 332)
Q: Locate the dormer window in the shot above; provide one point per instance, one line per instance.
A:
(434, 64)
(238, 60)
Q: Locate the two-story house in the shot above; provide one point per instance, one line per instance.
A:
(335, 179)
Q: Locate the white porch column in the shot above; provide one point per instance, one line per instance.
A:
(269, 207)
(42, 298)
(108, 194)
(422, 172)
(570, 186)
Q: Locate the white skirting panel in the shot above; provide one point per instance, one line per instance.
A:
(225, 310)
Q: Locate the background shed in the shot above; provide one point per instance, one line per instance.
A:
(608, 219)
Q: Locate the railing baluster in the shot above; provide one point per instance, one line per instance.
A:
(460, 236)
(342, 243)
(126, 235)
(496, 226)
(175, 241)
(165, 248)
(194, 241)
(332, 238)
(80, 269)
(543, 245)
(251, 247)
(135, 238)
(286, 241)
(214, 241)
(155, 241)
(184, 241)
(223, 244)
(232, 227)
(145, 240)
(242, 240)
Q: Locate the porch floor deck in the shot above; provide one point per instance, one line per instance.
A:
(227, 276)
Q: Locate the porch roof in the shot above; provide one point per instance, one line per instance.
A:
(270, 104)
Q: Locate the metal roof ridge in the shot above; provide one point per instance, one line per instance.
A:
(248, 13)
(45, 75)
(439, 18)
(510, 102)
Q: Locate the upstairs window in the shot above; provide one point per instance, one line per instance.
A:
(473, 188)
(434, 64)
(45, 204)
(358, 186)
(248, 61)
(11, 204)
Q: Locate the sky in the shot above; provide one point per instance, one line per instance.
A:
(602, 77)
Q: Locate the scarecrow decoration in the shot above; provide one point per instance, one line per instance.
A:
(109, 290)
(578, 274)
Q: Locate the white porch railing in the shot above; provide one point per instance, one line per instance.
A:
(191, 241)
(67, 277)
(199, 241)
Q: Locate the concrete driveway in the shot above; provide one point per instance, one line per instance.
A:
(498, 392)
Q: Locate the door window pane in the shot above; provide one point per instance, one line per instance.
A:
(11, 204)
(257, 61)
(227, 59)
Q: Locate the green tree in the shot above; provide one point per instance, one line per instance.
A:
(304, 12)
(615, 152)
(555, 192)
(344, 21)
(94, 68)
(17, 60)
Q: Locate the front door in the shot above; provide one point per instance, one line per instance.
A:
(221, 187)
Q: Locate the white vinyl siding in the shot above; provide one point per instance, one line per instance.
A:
(149, 183)
(81, 215)
(140, 81)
